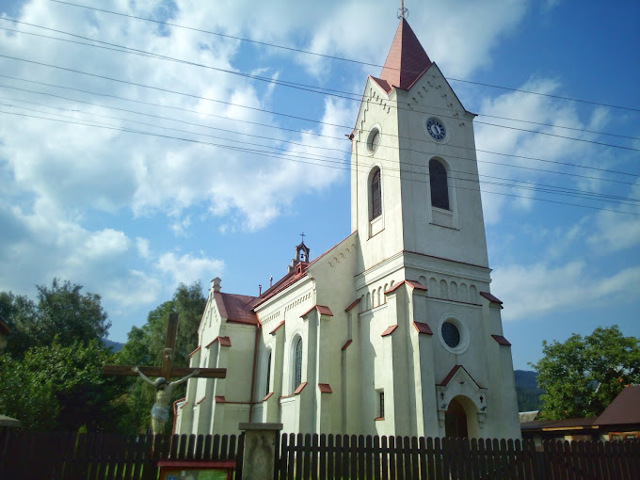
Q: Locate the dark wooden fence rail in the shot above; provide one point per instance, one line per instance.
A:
(106, 456)
(407, 458)
(98, 456)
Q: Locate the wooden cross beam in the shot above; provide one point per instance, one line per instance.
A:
(167, 370)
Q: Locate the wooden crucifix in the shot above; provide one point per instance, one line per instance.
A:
(164, 388)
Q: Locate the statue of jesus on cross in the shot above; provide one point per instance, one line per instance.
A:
(164, 388)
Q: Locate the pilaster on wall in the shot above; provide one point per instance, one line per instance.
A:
(407, 303)
(272, 404)
(307, 398)
(351, 379)
(320, 342)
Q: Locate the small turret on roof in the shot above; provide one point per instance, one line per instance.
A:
(301, 255)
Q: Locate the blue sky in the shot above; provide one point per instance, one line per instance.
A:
(130, 190)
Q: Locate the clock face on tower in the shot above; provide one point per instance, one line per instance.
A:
(436, 129)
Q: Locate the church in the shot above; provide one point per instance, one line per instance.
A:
(394, 330)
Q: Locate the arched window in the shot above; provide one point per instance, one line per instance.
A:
(297, 363)
(439, 185)
(375, 194)
(268, 373)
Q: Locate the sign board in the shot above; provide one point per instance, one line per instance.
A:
(196, 470)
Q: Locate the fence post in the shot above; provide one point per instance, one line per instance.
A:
(258, 461)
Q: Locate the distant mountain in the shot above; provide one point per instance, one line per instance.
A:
(527, 390)
(114, 346)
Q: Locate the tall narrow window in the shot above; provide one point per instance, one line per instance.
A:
(297, 368)
(375, 194)
(268, 373)
(381, 404)
(439, 185)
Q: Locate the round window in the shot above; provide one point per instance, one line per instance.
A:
(450, 334)
(373, 140)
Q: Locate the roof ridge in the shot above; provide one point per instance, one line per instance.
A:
(407, 60)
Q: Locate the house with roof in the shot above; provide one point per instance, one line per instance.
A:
(394, 330)
(619, 421)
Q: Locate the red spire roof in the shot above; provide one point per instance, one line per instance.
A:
(406, 61)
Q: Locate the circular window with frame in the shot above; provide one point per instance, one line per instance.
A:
(454, 335)
(373, 139)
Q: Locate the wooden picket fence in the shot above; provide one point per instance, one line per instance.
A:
(109, 456)
(319, 457)
(98, 456)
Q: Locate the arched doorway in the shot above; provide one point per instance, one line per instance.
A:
(455, 421)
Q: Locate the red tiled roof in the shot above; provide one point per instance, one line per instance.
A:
(285, 282)
(236, 308)
(292, 277)
(382, 83)
(325, 388)
(501, 340)
(300, 388)
(389, 330)
(194, 351)
(272, 332)
(411, 283)
(491, 297)
(322, 310)
(452, 373)
(406, 61)
(624, 408)
(353, 304)
(224, 341)
(423, 328)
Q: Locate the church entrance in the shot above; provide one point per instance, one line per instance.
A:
(455, 421)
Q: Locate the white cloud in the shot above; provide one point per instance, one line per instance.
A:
(134, 289)
(532, 291)
(534, 156)
(615, 231)
(187, 268)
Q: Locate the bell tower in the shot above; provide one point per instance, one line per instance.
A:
(414, 174)
(432, 327)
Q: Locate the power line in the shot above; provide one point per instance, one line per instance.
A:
(339, 164)
(295, 117)
(134, 51)
(352, 96)
(335, 57)
(319, 135)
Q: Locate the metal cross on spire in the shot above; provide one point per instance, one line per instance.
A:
(402, 12)
(302, 235)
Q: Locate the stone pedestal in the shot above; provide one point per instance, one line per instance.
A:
(259, 450)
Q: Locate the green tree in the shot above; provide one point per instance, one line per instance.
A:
(60, 387)
(20, 313)
(145, 344)
(582, 376)
(62, 310)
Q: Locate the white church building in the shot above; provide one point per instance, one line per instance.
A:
(394, 330)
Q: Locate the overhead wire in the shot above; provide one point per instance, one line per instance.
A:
(334, 57)
(344, 165)
(290, 116)
(321, 135)
(352, 96)
(123, 49)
